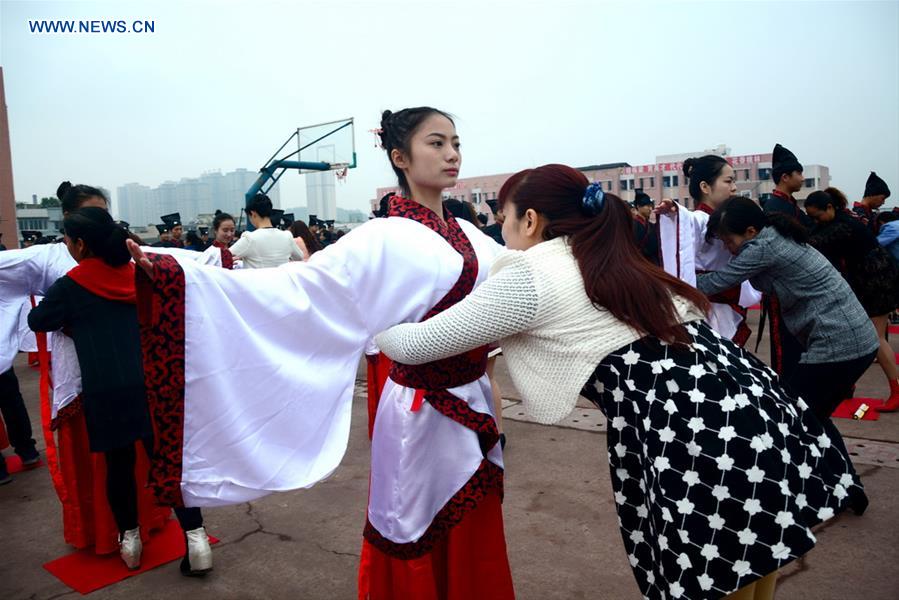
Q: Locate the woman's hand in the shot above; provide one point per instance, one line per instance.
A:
(140, 259)
(665, 207)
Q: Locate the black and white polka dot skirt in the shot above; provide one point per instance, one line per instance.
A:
(718, 474)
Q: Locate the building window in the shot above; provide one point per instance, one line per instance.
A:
(666, 181)
(609, 185)
(764, 174)
(746, 175)
(764, 198)
(626, 184)
(652, 182)
(641, 183)
(746, 193)
(810, 183)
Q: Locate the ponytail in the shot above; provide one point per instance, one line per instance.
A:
(599, 226)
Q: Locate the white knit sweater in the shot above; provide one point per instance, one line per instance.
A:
(552, 336)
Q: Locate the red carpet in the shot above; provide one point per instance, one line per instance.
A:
(848, 408)
(14, 464)
(85, 572)
(893, 329)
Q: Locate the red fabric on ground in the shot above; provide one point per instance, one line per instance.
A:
(848, 407)
(85, 572)
(893, 329)
(469, 564)
(14, 464)
(4, 440)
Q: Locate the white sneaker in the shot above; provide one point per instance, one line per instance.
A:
(199, 554)
(130, 548)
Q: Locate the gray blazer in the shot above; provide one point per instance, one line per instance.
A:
(818, 306)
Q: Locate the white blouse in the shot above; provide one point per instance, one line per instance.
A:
(552, 335)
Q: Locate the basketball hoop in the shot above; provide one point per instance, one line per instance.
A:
(341, 174)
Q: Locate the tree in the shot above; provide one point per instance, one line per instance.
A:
(49, 202)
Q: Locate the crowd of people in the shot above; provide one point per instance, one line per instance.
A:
(720, 465)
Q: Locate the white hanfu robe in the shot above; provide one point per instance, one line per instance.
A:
(685, 252)
(30, 272)
(272, 413)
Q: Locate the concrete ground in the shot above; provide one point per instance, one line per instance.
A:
(560, 521)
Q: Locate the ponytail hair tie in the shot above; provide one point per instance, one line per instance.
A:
(594, 199)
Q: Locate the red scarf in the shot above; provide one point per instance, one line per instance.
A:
(112, 283)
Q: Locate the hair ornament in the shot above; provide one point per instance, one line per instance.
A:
(594, 199)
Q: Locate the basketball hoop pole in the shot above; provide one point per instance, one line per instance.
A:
(276, 167)
(268, 173)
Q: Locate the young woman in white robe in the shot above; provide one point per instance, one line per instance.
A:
(272, 412)
(686, 250)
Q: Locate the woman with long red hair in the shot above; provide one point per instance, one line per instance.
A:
(718, 474)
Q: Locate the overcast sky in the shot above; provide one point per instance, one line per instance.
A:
(220, 85)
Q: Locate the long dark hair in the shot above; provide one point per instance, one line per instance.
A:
(73, 196)
(103, 237)
(705, 168)
(737, 214)
(298, 229)
(616, 276)
(397, 129)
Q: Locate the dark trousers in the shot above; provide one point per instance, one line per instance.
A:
(18, 425)
(785, 348)
(121, 492)
(824, 386)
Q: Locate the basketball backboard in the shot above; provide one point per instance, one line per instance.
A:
(332, 143)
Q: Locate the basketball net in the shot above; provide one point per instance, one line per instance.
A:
(341, 174)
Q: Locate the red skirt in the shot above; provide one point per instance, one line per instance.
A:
(79, 475)
(470, 563)
(87, 520)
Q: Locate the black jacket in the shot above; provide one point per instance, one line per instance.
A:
(107, 341)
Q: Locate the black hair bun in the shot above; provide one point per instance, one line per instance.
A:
(63, 189)
(688, 166)
(218, 211)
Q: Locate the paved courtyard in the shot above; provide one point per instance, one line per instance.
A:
(561, 525)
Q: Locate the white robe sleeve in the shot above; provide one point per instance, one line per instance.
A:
(271, 355)
(678, 241)
(23, 273)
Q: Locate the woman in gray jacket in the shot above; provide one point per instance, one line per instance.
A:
(818, 306)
